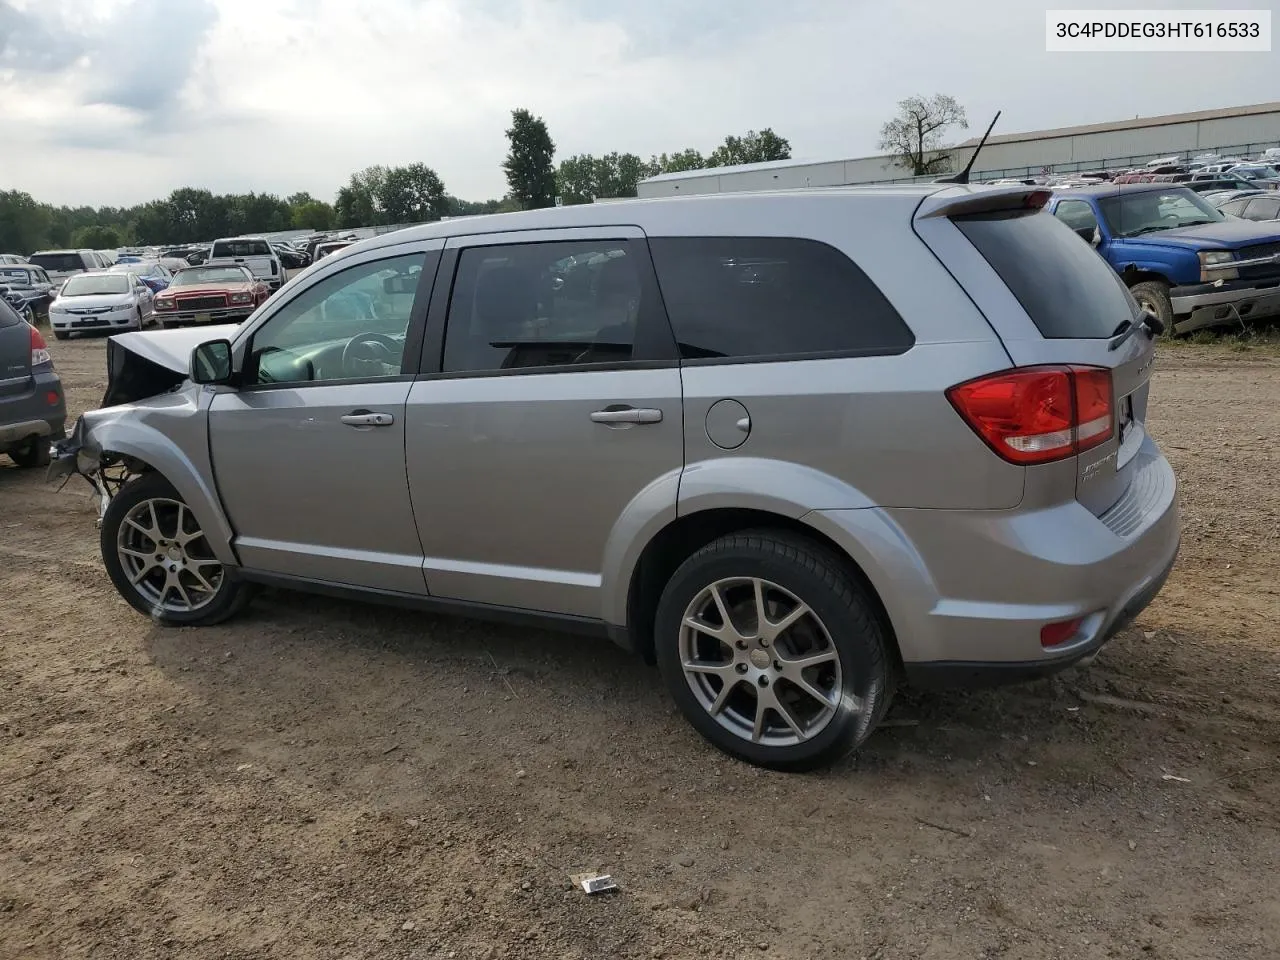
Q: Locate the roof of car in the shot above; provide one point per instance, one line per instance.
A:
(638, 211)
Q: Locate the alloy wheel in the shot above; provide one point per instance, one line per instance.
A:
(166, 557)
(761, 663)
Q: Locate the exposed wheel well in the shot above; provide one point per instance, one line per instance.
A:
(1131, 275)
(677, 541)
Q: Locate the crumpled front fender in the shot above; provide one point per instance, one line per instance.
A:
(168, 434)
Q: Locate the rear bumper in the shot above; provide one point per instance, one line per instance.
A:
(31, 414)
(1206, 306)
(968, 591)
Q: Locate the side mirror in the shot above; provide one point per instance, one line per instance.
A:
(211, 362)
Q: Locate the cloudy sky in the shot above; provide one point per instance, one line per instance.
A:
(120, 101)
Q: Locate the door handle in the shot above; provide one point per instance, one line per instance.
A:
(627, 415)
(368, 419)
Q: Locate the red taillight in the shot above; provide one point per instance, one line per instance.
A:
(52, 398)
(1039, 414)
(1052, 634)
(39, 349)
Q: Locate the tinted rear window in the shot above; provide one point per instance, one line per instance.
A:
(242, 248)
(58, 261)
(1066, 288)
(771, 297)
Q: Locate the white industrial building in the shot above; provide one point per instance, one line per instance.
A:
(1242, 131)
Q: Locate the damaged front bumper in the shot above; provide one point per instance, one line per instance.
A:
(74, 456)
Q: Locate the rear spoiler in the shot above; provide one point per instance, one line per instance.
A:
(961, 200)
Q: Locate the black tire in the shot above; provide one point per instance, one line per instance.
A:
(822, 582)
(164, 324)
(33, 453)
(1155, 294)
(29, 314)
(231, 595)
(141, 326)
(61, 334)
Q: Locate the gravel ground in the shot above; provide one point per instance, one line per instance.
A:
(322, 779)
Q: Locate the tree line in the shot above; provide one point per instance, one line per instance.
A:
(377, 195)
(414, 193)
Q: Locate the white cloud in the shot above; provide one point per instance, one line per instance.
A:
(138, 97)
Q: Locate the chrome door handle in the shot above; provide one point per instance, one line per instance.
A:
(627, 415)
(368, 419)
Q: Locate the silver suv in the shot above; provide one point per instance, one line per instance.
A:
(792, 447)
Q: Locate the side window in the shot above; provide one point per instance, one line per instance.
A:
(1235, 208)
(546, 304)
(1263, 208)
(771, 297)
(349, 326)
(1077, 215)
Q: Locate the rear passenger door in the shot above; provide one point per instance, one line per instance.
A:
(548, 416)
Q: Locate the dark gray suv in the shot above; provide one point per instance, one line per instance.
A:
(792, 447)
(33, 410)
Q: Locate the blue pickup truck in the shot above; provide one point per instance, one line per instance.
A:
(1181, 258)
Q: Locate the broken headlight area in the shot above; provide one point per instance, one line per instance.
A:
(104, 472)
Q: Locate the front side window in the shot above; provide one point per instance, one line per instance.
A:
(349, 326)
(771, 297)
(1148, 211)
(1263, 208)
(545, 305)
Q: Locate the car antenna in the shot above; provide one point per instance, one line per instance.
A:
(963, 175)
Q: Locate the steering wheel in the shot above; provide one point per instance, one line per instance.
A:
(366, 349)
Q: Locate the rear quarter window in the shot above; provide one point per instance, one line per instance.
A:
(1066, 288)
(772, 297)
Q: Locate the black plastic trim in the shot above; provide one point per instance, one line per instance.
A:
(790, 357)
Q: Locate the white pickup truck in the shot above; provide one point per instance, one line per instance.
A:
(252, 253)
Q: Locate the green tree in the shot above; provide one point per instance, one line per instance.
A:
(531, 177)
(915, 137)
(96, 237)
(357, 203)
(412, 194)
(469, 208)
(686, 159)
(582, 178)
(752, 147)
(24, 224)
(311, 215)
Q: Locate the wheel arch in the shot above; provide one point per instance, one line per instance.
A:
(1132, 273)
(146, 449)
(688, 533)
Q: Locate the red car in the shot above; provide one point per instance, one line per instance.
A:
(217, 294)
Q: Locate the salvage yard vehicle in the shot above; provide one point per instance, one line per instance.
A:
(1261, 206)
(205, 295)
(28, 290)
(1182, 258)
(60, 264)
(792, 446)
(252, 253)
(33, 410)
(100, 300)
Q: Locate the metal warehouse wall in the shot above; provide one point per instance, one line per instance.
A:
(1071, 152)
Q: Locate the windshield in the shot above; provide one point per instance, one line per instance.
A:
(203, 275)
(141, 269)
(1255, 173)
(95, 283)
(15, 275)
(1148, 211)
(58, 261)
(241, 248)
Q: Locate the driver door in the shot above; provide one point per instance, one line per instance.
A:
(308, 450)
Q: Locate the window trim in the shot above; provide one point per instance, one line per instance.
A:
(242, 346)
(847, 353)
(653, 329)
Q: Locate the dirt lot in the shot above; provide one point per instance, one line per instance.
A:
(323, 779)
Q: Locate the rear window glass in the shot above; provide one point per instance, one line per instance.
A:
(1066, 288)
(8, 316)
(242, 248)
(771, 297)
(58, 261)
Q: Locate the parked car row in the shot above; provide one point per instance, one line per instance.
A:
(1204, 173)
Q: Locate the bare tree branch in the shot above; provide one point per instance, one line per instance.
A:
(914, 137)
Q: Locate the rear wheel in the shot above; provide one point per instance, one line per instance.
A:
(1153, 295)
(29, 314)
(160, 561)
(33, 453)
(772, 650)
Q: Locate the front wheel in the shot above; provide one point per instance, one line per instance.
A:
(160, 561)
(61, 334)
(1153, 295)
(29, 314)
(773, 651)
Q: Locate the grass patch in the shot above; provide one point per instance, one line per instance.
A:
(1263, 339)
